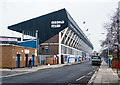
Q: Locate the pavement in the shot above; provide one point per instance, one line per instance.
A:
(104, 75)
(19, 71)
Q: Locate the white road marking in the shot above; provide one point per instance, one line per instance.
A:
(69, 84)
(89, 73)
(80, 78)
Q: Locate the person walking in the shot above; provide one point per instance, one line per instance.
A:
(30, 63)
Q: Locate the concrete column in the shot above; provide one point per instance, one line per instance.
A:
(36, 38)
(22, 37)
(59, 47)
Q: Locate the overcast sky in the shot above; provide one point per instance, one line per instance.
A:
(94, 12)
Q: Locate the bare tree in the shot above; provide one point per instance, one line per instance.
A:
(113, 35)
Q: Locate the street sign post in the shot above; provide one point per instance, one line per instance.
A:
(117, 64)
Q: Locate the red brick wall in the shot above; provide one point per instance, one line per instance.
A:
(113, 63)
(54, 39)
(49, 60)
(9, 54)
(53, 49)
(53, 46)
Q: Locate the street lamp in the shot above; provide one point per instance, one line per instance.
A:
(108, 54)
(37, 43)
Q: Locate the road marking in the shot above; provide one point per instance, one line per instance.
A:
(80, 78)
(89, 73)
(69, 84)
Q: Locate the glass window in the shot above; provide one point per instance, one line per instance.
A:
(46, 50)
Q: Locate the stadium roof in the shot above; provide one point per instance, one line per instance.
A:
(49, 25)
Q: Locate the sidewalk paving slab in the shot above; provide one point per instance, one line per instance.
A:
(104, 76)
(115, 71)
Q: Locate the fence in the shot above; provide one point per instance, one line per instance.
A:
(41, 59)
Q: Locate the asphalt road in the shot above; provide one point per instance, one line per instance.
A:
(78, 73)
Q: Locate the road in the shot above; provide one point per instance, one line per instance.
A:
(78, 73)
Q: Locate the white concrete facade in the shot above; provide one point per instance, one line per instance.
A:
(72, 46)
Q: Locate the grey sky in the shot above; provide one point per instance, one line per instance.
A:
(94, 12)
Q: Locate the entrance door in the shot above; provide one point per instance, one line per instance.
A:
(32, 60)
(26, 60)
(57, 60)
(68, 59)
(18, 61)
(62, 59)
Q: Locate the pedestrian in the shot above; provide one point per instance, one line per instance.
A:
(30, 63)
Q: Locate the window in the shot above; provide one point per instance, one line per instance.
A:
(46, 50)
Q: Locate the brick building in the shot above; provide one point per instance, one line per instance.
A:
(14, 56)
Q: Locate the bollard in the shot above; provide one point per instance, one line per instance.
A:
(117, 67)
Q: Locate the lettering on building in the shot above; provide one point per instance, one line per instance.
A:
(56, 24)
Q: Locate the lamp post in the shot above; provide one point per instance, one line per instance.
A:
(37, 44)
(108, 55)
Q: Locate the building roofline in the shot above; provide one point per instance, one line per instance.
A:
(14, 45)
(9, 37)
(35, 18)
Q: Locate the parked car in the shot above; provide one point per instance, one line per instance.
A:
(96, 60)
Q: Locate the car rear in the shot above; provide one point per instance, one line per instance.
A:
(96, 60)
